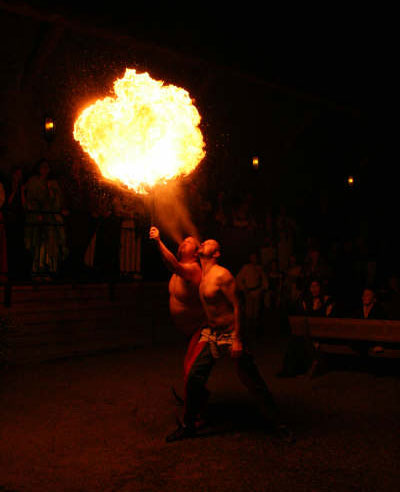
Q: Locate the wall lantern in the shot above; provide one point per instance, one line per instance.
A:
(49, 128)
(350, 181)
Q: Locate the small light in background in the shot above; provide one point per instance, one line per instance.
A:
(255, 162)
(49, 125)
(350, 181)
(49, 128)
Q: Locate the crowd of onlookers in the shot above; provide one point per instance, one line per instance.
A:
(298, 291)
(62, 221)
(300, 272)
(68, 224)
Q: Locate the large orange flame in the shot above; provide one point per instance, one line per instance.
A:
(148, 133)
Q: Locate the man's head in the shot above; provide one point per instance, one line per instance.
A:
(315, 288)
(314, 256)
(368, 297)
(253, 258)
(43, 168)
(267, 241)
(210, 249)
(188, 248)
(17, 173)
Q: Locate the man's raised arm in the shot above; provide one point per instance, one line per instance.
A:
(187, 271)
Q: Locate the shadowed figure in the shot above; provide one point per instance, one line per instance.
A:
(44, 226)
(252, 282)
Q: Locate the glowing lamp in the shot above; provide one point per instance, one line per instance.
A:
(350, 181)
(255, 162)
(49, 128)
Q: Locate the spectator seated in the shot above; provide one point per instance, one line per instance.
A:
(346, 336)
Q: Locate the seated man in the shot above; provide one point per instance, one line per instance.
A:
(369, 309)
(222, 335)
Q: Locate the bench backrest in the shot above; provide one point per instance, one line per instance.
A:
(346, 329)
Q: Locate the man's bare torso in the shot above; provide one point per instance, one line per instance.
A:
(218, 309)
(184, 304)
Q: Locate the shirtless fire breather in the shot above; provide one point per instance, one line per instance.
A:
(217, 331)
(222, 334)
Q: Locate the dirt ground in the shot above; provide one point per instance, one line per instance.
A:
(98, 423)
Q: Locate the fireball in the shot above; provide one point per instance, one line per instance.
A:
(147, 133)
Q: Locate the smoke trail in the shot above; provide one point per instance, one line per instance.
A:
(172, 215)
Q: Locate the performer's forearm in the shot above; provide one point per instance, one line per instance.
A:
(168, 258)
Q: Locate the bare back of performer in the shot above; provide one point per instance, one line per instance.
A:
(184, 302)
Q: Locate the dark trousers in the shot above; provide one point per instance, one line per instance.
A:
(198, 372)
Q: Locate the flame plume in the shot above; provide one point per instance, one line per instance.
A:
(147, 134)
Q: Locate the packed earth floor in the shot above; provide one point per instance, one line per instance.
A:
(98, 423)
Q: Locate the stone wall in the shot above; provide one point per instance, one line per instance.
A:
(51, 321)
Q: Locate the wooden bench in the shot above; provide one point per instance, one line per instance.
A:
(339, 334)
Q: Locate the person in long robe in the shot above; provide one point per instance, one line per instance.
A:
(37, 205)
(252, 281)
(56, 239)
(130, 238)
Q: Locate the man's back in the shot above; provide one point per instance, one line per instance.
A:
(184, 302)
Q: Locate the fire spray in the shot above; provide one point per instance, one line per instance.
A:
(145, 135)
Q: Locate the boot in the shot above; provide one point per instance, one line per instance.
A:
(181, 432)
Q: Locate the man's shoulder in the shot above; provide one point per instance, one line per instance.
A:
(192, 266)
(191, 272)
(222, 273)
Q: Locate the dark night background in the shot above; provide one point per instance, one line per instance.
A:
(86, 368)
(322, 76)
(310, 91)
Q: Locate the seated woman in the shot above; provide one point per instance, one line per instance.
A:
(315, 303)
